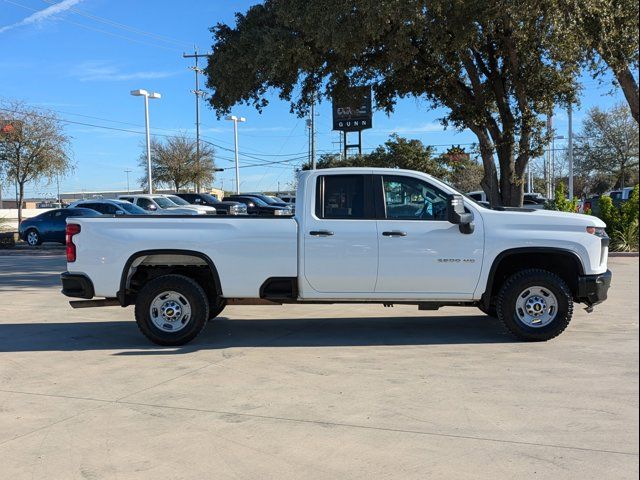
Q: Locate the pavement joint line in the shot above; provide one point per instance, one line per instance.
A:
(217, 362)
(44, 427)
(313, 422)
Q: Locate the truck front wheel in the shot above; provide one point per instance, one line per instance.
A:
(535, 305)
(171, 310)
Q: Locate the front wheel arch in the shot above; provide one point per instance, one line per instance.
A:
(566, 264)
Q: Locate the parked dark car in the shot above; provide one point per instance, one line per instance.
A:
(268, 199)
(111, 207)
(223, 208)
(256, 206)
(50, 226)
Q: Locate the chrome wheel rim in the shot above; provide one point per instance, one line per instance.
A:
(536, 307)
(170, 311)
(32, 238)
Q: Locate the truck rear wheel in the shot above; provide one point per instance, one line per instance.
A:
(171, 310)
(535, 305)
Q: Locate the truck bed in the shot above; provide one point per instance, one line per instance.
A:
(245, 250)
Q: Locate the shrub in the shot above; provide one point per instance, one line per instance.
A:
(561, 203)
(622, 222)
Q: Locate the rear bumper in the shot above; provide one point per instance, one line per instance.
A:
(592, 289)
(76, 285)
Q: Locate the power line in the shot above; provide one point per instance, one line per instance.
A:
(123, 26)
(117, 129)
(106, 32)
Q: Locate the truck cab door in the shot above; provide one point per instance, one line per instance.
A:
(421, 253)
(340, 236)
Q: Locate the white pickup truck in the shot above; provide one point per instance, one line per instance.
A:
(358, 236)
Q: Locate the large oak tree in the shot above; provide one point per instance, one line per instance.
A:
(491, 64)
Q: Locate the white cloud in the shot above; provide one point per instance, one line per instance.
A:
(106, 72)
(42, 15)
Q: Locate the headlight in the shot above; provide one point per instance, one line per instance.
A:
(281, 212)
(598, 232)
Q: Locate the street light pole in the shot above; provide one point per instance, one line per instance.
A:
(235, 121)
(570, 115)
(127, 171)
(147, 96)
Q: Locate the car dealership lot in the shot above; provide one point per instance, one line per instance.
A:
(312, 391)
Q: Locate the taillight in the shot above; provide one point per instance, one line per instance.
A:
(72, 229)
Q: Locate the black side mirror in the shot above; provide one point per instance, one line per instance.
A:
(457, 215)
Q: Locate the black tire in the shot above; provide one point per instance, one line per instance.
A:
(30, 234)
(508, 297)
(217, 308)
(190, 291)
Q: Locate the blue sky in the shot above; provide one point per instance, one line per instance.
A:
(82, 57)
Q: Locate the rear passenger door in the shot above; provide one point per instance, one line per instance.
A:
(340, 237)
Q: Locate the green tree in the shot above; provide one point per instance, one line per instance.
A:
(175, 164)
(455, 166)
(608, 145)
(397, 152)
(488, 63)
(35, 149)
(599, 31)
(462, 171)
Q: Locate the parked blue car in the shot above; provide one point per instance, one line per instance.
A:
(50, 226)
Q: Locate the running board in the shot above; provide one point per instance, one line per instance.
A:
(106, 302)
(251, 301)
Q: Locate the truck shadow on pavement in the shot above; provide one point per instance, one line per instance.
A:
(279, 333)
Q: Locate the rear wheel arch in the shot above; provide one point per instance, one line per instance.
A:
(168, 261)
(564, 263)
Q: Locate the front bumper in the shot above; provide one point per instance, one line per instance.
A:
(76, 285)
(592, 289)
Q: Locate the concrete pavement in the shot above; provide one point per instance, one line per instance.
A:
(312, 391)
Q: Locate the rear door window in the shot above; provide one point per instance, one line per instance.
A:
(344, 197)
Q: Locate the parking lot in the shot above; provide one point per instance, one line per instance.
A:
(312, 391)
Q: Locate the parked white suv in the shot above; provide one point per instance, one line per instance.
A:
(160, 204)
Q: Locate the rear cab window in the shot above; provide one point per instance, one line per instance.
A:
(348, 197)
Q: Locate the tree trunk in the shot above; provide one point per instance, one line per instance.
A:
(489, 181)
(629, 88)
(20, 199)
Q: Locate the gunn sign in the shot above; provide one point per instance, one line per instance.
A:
(353, 113)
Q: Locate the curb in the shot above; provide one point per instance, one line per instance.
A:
(623, 254)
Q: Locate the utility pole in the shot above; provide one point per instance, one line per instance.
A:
(547, 162)
(312, 133)
(198, 93)
(235, 121)
(127, 171)
(570, 115)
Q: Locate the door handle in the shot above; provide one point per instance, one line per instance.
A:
(321, 233)
(394, 233)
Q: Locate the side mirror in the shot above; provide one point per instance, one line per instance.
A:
(457, 215)
(119, 212)
(152, 207)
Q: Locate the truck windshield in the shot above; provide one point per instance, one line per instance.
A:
(164, 202)
(131, 208)
(209, 198)
(177, 200)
